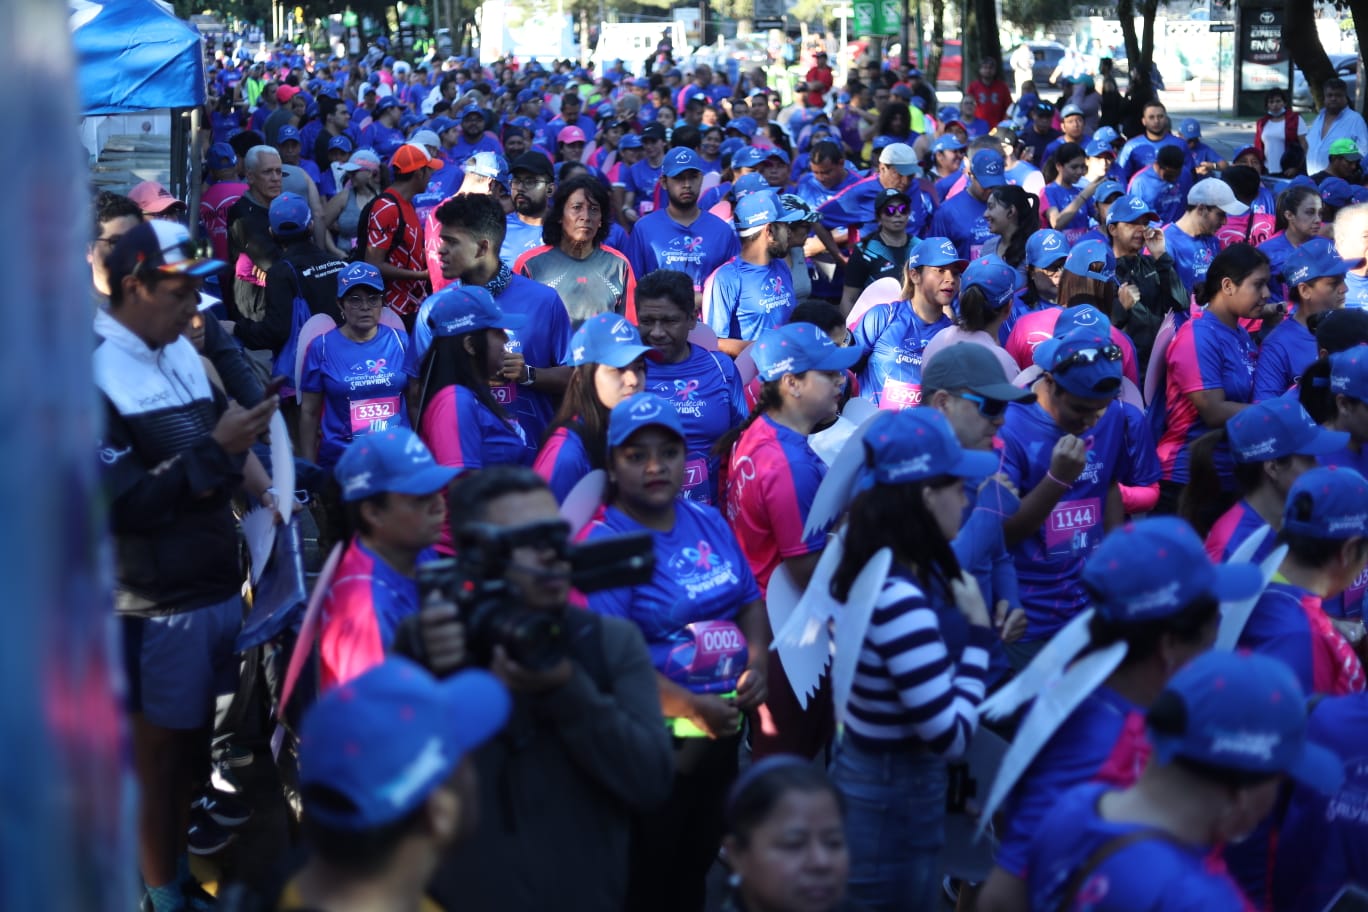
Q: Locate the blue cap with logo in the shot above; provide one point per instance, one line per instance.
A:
(1131, 208)
(290, 215)
(1278, 428)
(1108, 190)
(1083, 361)
(394, 461)
(489, 164)
(460, 309)
(287, 133)
(629, 141)
(988, 168)
(221, 155)
(1329, 503)
(916, 444)
(1243, 712)
(1046, 247)
(359, 275)
(1191, 128)
(342, 142)
(750, 183)
(746, 126)
(1153, 568)
(936, 251)
(749, 157)
(1107, 134)
(947, 143)
(1316, 259)
(1096, 148)
(1349, 373)
(1082, 316)
(796, 348)
(386, 739)
(1337, 192)
(1070, 110)
(756, 210)
(606, 338)
(680, 160)
(991, 275)
(1092, 259)
(525, 96)
(641, 411)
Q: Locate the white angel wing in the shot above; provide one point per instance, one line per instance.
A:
(1069, 641)
(1235, 615)
(282, 467)
(852, 623)
(314, 327)
(1250, 546)
(801, 621)
(1049, 712)
(583, 500)
(859, 409)
(833, 494)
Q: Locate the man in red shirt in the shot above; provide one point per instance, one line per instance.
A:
(394, 233)
(992, 96)
(820, 80)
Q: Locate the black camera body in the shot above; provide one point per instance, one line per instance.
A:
(492, 611)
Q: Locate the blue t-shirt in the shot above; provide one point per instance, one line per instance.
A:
(1277, 248)
(363, 385)
(641, 179)
(1164, 197)
(961, 219)
(1278, 627)
(705, 390)
(1050, 561)
(893, 339)
(657, 241)
(1139, 152)
(519, 237)
(742, 300)
(562, 461)
(700, 575)
(544, 341)
(811, 191)
(1287, 351)
(460, 153)
(1192, 256)
(1323, 844)
(1058, 196)
(853, 207)
(1357, 293)
(463, 432)
(1146, 875)
(1205, 355)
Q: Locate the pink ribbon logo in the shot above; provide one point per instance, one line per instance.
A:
(375, 367)
(685, 389)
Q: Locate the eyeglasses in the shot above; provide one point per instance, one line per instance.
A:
(531, 183)
(896, 209)
(1086, 356)
(363, 301)
(988, 408)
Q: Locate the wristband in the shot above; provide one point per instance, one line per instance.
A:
(1059, 481)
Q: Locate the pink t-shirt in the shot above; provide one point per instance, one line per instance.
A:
(1038, 325)
(955, 335)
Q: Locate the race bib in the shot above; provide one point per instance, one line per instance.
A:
(696, 479)
(645, 206)
(369, 415)
(505, 394)
(899, 395)
(1073, 527)
(710, 658)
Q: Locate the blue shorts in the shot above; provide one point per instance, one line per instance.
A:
(177, 664)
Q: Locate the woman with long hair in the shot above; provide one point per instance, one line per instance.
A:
(986, 292)
(1068, 206)
(1298, 221)
(914, 701)
(608, 358)
(1210, 365)
(1315, 275)
(1013, 215)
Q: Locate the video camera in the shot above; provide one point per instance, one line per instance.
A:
(491, 610)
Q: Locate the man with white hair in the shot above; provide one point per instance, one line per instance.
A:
(1351, 240)
(251, 248)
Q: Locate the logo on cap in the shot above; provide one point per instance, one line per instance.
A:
(358, 482)
(460, 322)
(758, 217)
(645, 409)
(1164, 597)
(781, 367)
(917, 466)
(1051, 242)
(1246, 743)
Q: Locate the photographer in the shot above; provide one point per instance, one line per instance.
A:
(586, 746)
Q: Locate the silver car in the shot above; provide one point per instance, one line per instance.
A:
(1346, 68)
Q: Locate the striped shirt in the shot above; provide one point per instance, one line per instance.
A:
(908, 687)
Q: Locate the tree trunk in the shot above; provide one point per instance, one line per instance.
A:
(1359, 10)
(1304, 44)
(933, 58)
(1137, 61)
(989, 44)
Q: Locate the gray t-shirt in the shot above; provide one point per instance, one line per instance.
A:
(601, 282)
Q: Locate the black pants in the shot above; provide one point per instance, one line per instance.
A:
(674, 846)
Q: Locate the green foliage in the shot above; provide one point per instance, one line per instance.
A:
(1027, 14)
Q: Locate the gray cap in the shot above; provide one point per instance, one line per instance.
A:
(970, 366)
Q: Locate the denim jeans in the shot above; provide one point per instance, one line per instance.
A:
(895, 826)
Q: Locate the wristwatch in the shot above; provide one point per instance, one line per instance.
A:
(531, 377)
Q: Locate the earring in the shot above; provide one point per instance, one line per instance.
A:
(734, 880)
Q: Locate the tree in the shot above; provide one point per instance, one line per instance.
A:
(1139, 50)
(1026, 14)
(933, 56)
(982, 39)
(1304, 44)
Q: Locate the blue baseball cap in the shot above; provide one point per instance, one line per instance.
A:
(746, 126)
(991, 275)
(386, 739)
(629, 141)
(440, 125)
(936, 251)
(796, 209)
(526, 95)
(641, 82)
(1153, 568)
(1096, 147)
(642, 410)
(287, 133)
(1092, 259)
(1278, 428)
(606, 338)
(749, 183)
(1046, 247)
(342, 142)
(916, 444)
(290, 215)
(988, 166)
(1083, 361)
(1070, 110)
(1108, 190)
(754, 211)
(681, 159)
(1190, 128)
(460, 309)
(1107, 135)
(395, 461)
(359, 275)
(1349, 373)
(1316, 259)
(489, 164)
(470, 110)
(947, 143)
(1243, 712)
(1082, 316)
(799, 347)
(1329, 503)
(221, 155)
(1337, 192)
(384, 104)
(775, 152)
(1131, 208)
(749, 157)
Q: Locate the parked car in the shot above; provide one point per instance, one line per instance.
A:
(1346, 68)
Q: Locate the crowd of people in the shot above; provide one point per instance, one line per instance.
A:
(1020, 398)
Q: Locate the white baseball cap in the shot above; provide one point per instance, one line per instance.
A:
(901, 158)
(1216, 192)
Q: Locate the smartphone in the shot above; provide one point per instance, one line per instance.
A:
(275, 385)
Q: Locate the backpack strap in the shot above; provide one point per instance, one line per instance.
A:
(1100, 855)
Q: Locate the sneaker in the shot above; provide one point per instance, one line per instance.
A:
(234, 755)
(227, 810)
(223, 780)
(205, 836)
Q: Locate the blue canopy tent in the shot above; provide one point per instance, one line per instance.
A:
(134, 56)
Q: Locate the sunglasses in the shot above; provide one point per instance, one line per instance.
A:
(896, 209)
(988, 408)
(1086, 356)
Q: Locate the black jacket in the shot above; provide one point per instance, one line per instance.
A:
(301, 268)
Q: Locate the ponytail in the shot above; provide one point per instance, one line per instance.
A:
(769, 400)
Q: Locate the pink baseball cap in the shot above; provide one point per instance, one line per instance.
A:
(153, 198)
(570, 135)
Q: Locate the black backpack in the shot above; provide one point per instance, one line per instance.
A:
(358, 252)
